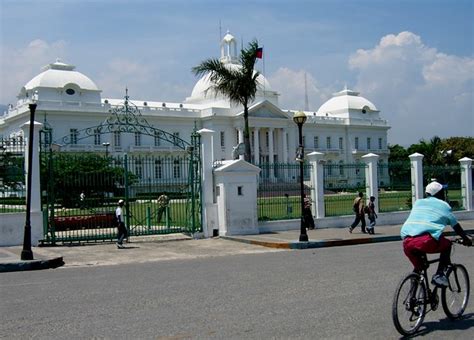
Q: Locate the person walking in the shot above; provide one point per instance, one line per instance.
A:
(372, 215)
(307, 214)
(82, 200)
(358, 208)
(163, 202)
(121, 229)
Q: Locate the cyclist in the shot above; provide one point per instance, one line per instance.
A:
(422, 232)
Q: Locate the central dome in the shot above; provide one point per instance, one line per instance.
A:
(202, 89)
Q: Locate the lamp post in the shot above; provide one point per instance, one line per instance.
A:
(300, 118)
(446, 154)
(26, 253)
(106, 144)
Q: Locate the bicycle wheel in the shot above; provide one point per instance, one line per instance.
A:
(456, 296)
(409, 304)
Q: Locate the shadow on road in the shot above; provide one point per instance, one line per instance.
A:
(464, 323)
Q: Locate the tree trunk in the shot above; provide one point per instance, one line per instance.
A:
(247, 154)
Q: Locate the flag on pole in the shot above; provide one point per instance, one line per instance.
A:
(260, 53)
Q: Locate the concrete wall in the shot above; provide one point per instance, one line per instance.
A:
(12, 228)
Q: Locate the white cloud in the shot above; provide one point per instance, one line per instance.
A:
(143, 80)
(19, 65)
(290, 85)
(420, 91)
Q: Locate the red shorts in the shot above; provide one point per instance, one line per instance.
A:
(414, 247)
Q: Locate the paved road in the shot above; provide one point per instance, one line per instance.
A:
(329, 293)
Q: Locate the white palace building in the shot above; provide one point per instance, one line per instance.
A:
(344, 128)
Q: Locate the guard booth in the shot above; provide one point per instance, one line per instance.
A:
(236, 197)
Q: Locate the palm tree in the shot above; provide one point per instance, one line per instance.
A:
(237, 84)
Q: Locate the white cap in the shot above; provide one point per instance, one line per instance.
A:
(433, 188)
(120, 201)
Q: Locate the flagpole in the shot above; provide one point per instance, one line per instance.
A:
(264, 52)
(220, 32)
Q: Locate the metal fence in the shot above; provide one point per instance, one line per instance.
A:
(341, 183)
(12, 175)
(394, 181)
(450, 176)
(279, 190)
(344, 177)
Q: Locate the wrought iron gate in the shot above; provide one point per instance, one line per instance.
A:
(81, 189)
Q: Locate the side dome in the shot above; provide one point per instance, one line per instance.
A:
(346, 101)
(58, 75)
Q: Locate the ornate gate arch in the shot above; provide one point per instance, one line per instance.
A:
(81, 188)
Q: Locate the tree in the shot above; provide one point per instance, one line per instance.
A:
(398, 154)
(431, 150)
(70, 174)
(237, 84)
(460, 147)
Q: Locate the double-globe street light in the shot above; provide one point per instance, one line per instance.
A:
(300, 118)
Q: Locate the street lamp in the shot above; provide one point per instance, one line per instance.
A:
(27, 253)
(106, 144)
(300, 118)
(446, 154)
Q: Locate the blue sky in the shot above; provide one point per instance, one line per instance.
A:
(413, 59)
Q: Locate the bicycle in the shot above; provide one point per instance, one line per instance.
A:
(414, 296)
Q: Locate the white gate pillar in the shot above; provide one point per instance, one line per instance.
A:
(466, 183)
(207, 160)
(317, 180)
(416, 161)
(371, 178)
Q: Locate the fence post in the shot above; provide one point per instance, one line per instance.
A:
(317, 180)
(35, 167)
(466, 183)
(207, 157)
(416, 161)
(371, 180)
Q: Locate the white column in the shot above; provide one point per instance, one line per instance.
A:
(317, 181)
(207, 153)
(466, 183)
(241, 140)
(35, 167)
(371, 180)
(285, 146)
(416, 161)
(270, 153)
(256, 146)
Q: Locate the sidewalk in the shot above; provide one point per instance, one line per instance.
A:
(167, 247)
(331, 237)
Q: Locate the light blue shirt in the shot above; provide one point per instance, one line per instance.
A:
(429, 215)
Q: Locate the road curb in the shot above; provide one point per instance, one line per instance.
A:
(314, 244)
(32, 265)
(325, 243)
